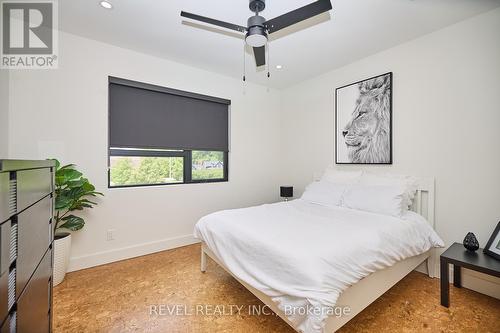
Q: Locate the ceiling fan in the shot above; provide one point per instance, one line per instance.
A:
(258, 28)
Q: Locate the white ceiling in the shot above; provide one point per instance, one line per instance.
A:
(353, 30)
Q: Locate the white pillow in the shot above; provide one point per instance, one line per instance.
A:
(409, 183)
(341, 177)
(324, 193)
(387, 200)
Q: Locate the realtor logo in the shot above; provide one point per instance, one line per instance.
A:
(29, 35)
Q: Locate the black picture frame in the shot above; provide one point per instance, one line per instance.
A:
(491, 243)
(336, 124)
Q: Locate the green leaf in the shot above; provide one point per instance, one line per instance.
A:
(80, 204)
(60, 180)
(62, 202)
(85, 205)
(88, 201)
(75, 183)
(88, 187)
(71, 191)
(67, 166)
(58, 164)
(66, 174)
(76, 192)
(70, 174)
(72, 223)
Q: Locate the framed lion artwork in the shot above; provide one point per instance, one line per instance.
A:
(363, 121)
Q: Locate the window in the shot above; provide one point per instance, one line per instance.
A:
(207, 165)
(127, 168)
(161, 136)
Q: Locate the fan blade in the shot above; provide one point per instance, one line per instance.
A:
(260, 55)
(297, 15)
(214, 22)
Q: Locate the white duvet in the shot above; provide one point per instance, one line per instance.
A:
(304, 255)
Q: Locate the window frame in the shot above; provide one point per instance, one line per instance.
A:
(187, 165)
(155, 152)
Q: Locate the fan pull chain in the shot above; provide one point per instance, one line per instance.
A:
(244, 64)
(268, 64)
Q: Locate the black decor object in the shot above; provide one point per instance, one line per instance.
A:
(286, 192)
(470, 242)
(492, 248)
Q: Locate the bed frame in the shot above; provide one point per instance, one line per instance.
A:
(368, 289)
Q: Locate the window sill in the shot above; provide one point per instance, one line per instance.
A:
(207, 181)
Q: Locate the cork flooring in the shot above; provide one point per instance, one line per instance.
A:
(165, 292)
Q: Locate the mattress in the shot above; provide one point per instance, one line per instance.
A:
(303, 255)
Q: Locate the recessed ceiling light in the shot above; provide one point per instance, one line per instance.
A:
(106, 4)
(279, 67)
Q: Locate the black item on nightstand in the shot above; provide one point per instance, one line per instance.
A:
(286, 192)
(460, 257)
(470, 242)
(492, 248)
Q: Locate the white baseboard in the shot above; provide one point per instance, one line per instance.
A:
(106, 257)
(482, 283)
(479, 282)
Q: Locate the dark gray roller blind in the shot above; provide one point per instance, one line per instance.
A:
(146, 116)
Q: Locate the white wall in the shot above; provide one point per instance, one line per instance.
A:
(63, 113)
(446, 118)
(4, 112)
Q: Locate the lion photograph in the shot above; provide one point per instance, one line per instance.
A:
(363, 122)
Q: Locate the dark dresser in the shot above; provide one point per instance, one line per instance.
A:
(26, 210)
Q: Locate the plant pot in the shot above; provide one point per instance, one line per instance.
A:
(62, 248)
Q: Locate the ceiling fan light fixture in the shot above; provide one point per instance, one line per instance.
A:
(256, 40)
(106, 5)
(256, 35)
(258, 27)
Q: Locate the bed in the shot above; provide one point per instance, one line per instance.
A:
(268, 250)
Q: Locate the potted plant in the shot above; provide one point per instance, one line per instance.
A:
(72, 193)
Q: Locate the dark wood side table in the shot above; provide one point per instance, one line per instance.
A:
(460, 257)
